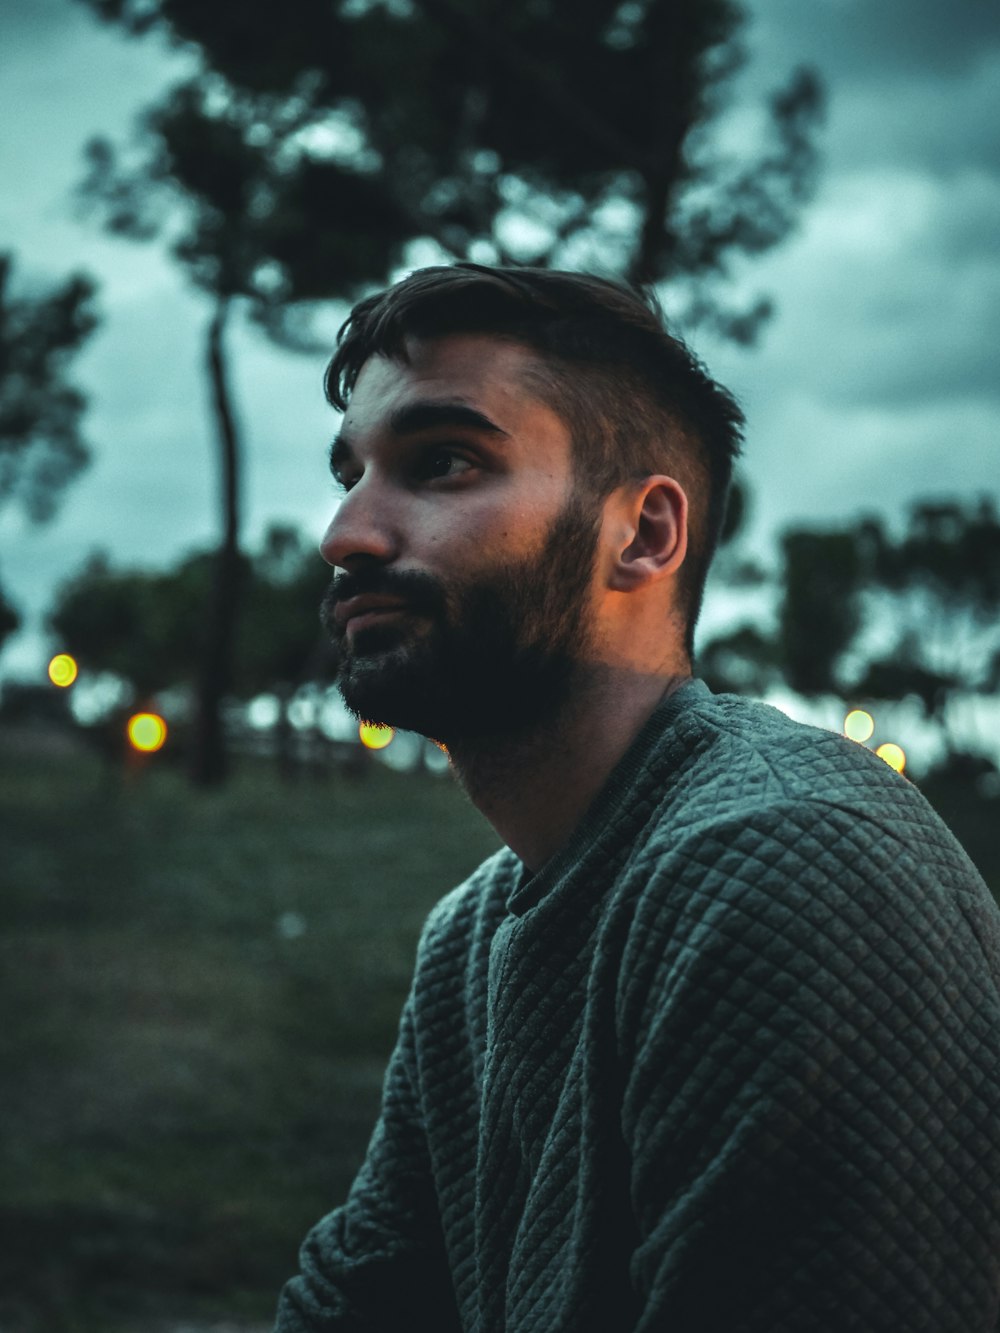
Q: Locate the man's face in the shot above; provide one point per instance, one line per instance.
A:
(461, 609)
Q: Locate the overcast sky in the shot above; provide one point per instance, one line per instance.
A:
(876, 383)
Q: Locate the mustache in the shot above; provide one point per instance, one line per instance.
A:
(419, 592)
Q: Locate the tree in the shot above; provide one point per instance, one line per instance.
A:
(281, 642)
(932, 622)
(308, 153)
(820, 612)
(241, 203)
(41, 446)
(869, 614)
(743, 661)
(10, 618)
(142, 626)
(873, 616)
(146, 627)
(467, 132)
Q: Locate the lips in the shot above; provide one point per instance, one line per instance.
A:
(364, 605)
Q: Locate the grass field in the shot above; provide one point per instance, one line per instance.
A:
(199, 993)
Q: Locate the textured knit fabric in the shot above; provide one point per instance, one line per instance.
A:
(728, 1062)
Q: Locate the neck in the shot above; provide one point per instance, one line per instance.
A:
(535, 788)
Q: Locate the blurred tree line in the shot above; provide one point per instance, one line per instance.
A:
(877, 617)
(146, 628)
(859, 613)
(319, 148)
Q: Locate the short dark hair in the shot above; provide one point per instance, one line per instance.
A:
(636, 400)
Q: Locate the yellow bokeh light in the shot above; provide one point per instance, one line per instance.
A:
(893, 756)
(858, 725)
(147, 732)
(62, 670)
(374, 737)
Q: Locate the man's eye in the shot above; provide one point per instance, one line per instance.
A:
(440, 462)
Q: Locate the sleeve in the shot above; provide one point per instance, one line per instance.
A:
(812, 1087)
(378, 1264)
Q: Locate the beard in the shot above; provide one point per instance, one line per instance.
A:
(472, 660)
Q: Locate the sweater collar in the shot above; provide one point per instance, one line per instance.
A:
(620, 792)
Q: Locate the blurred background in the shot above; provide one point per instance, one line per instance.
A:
(211, 884)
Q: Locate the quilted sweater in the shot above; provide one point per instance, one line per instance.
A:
(728, 1062)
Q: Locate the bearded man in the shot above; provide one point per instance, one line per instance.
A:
(711, 1043)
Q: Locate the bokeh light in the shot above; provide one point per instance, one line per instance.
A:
(146, 732)
(62, 670)
(374, 737)
(858, 725)
(893, 755)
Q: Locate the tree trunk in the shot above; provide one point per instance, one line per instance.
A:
(285, 740)
(210, 759)
(647, 263)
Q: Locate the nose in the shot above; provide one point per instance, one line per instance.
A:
(359, 530)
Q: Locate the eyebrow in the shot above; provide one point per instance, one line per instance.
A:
(422, 416)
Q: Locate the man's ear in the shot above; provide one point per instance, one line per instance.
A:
(655, 533)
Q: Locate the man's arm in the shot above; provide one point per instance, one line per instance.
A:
(812, 1102)
(377, 1264)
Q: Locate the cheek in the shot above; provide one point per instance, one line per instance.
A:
(523, 524)
(502, 521)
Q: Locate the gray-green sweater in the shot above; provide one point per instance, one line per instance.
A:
(729, 1062)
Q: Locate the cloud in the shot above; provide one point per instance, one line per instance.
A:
(929, 122)
(27, 27)
(908, 283)
(66, 78)
(884, 42)
(809, 463)
(911, 83)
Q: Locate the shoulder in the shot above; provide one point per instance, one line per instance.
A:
(757, 779)
(780, 838)
(747, 751)
(801, 915)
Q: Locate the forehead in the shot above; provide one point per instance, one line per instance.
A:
(493, 376)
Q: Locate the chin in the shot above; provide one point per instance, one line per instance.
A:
(409, 693)
(384, 687)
